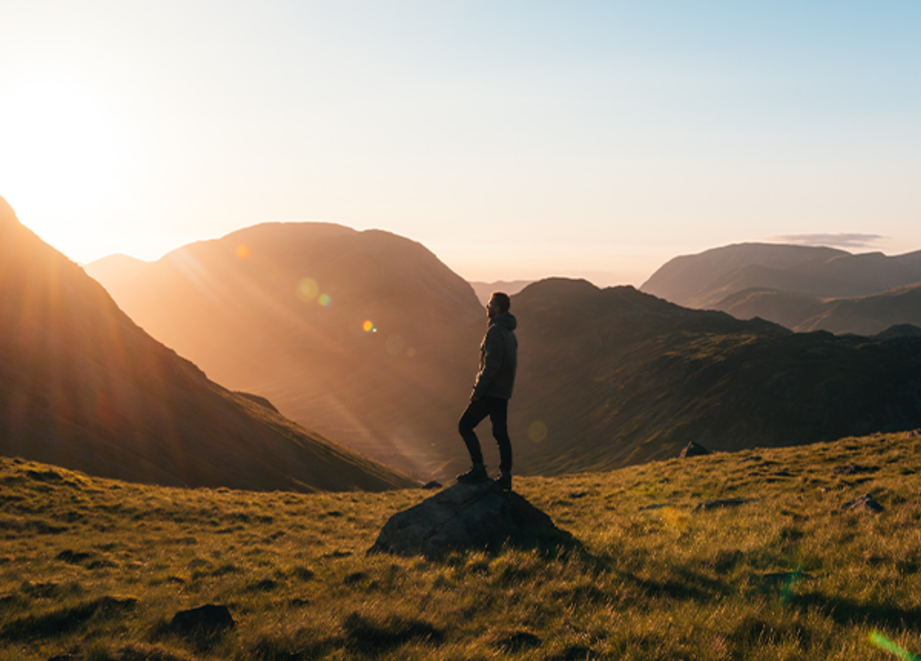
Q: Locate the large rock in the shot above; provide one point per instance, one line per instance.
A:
(467, 516)
(693, 449)
(204, 619)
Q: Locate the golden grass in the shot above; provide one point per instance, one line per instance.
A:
(98, 568)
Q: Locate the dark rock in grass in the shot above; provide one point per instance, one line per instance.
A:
(72, 557)
(45, 475)
(264, 585)
(432, 485)
(467, 516)
(518, 641)
(206, 619)
(864, 502)
(693, 450)
(722, 503)
(754, 457)
(852, 469)
(355, 577)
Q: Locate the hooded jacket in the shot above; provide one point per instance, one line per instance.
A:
(498, 358)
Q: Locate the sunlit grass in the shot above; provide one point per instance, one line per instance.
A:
(99, 568)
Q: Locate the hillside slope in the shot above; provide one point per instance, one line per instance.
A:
(776, 567)
(866, 315)
(613, 377)
(83, 387)
(704, 279)
(607, 377)
(365, 336)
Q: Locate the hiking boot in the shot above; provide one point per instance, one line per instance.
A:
(504, 482)
(474, 475)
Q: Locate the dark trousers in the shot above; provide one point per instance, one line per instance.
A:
(497, 410)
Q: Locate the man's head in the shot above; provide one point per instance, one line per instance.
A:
(499, 302)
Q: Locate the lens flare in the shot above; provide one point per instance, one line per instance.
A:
(537, 431)
(367, 326)
(242, 251)
(878, 639)
(307, 290)
(324, 300)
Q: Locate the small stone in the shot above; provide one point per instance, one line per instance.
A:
(207, 618)
(852, 469)
(518, 642)
(265, 585)
(355, 577)
(721, 503)
(863, 502)
(693, 450)
(434, 484)
(72, 557)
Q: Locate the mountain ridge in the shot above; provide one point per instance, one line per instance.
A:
(363, 335)
(660, 376)
(703, 279)
(607, 377)
(83, 387)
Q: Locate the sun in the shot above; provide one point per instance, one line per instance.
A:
(63, 155)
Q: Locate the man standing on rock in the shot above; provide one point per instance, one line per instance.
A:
(491, 392)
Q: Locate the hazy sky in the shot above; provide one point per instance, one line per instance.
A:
(514, 139)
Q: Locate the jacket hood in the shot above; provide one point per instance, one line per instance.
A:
(506, 320)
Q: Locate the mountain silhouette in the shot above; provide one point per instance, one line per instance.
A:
(610, 377)
(116, 271)
(705, 279)
(365, 336)
(865, 315)
(607, 377)
(83, 387)
(485, 289)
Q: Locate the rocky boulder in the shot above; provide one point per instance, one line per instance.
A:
(467, 516)
(693, 449)
(209, 618)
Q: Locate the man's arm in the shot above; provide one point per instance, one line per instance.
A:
(492, 361)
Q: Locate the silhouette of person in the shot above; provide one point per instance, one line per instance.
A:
(491, 392)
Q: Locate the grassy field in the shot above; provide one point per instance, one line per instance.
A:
(97, 569)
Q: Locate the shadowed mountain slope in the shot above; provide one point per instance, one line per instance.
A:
(607, 377)
(83, 387)
(703, 280)
(364, 336)
(614, 377)
(866, 315)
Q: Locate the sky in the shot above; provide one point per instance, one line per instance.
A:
(514, 139)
